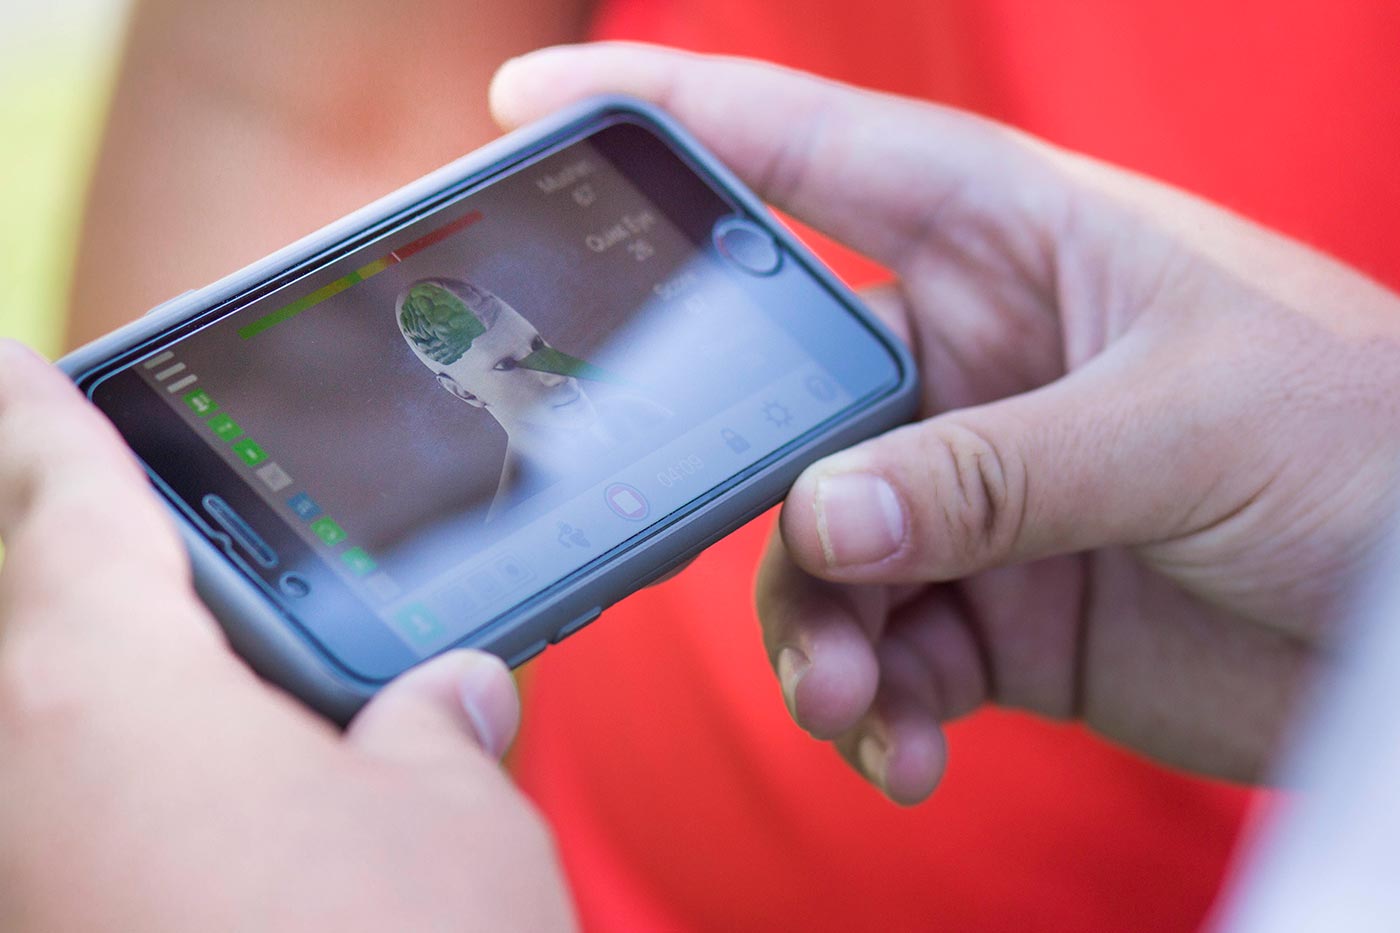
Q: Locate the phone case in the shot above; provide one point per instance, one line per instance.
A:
(274, 646)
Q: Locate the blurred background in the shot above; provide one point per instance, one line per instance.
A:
(57, 60)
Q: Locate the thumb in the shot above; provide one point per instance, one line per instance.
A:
(1100, 457)
(429, 712)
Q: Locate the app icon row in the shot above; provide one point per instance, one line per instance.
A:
(481, 590)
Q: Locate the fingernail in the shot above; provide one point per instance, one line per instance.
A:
(873, 757)
(474, 688)
(792, 664)
(859, 519)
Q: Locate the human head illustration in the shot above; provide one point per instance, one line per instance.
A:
(488, 355)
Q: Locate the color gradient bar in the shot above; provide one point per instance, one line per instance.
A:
(287, 312)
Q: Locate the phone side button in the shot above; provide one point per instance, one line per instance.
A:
(577, 624)
(525, 654)
(165, 304)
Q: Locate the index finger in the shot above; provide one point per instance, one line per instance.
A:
(872, 170)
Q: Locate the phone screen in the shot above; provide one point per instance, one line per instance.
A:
(414, 436)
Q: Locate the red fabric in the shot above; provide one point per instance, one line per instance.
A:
(656, 742)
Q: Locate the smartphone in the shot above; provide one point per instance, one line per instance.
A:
(483, 409)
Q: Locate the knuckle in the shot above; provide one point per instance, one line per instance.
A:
(978, 499)
(787, 170)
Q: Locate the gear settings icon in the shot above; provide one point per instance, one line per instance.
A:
(777, 414)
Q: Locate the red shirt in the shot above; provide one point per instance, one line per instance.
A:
(657, 743)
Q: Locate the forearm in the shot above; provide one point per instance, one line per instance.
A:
(236, 128)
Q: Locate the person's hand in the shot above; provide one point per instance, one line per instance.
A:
(149, 781)
(1158, 444)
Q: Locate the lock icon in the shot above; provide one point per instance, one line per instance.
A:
(734, 440)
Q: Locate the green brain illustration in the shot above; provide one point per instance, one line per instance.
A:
(442, 326)
(439, 323)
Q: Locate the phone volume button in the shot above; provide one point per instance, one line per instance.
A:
(520, 657)
(570, 628)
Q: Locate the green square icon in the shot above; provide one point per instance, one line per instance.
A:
(328, 531)
(200, 403)
(249, 452)
(359, 561)
(224, 426)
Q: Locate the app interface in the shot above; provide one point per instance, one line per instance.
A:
(485, 400)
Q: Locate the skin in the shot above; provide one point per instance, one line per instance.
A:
(1158, 441)
(151, 782)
